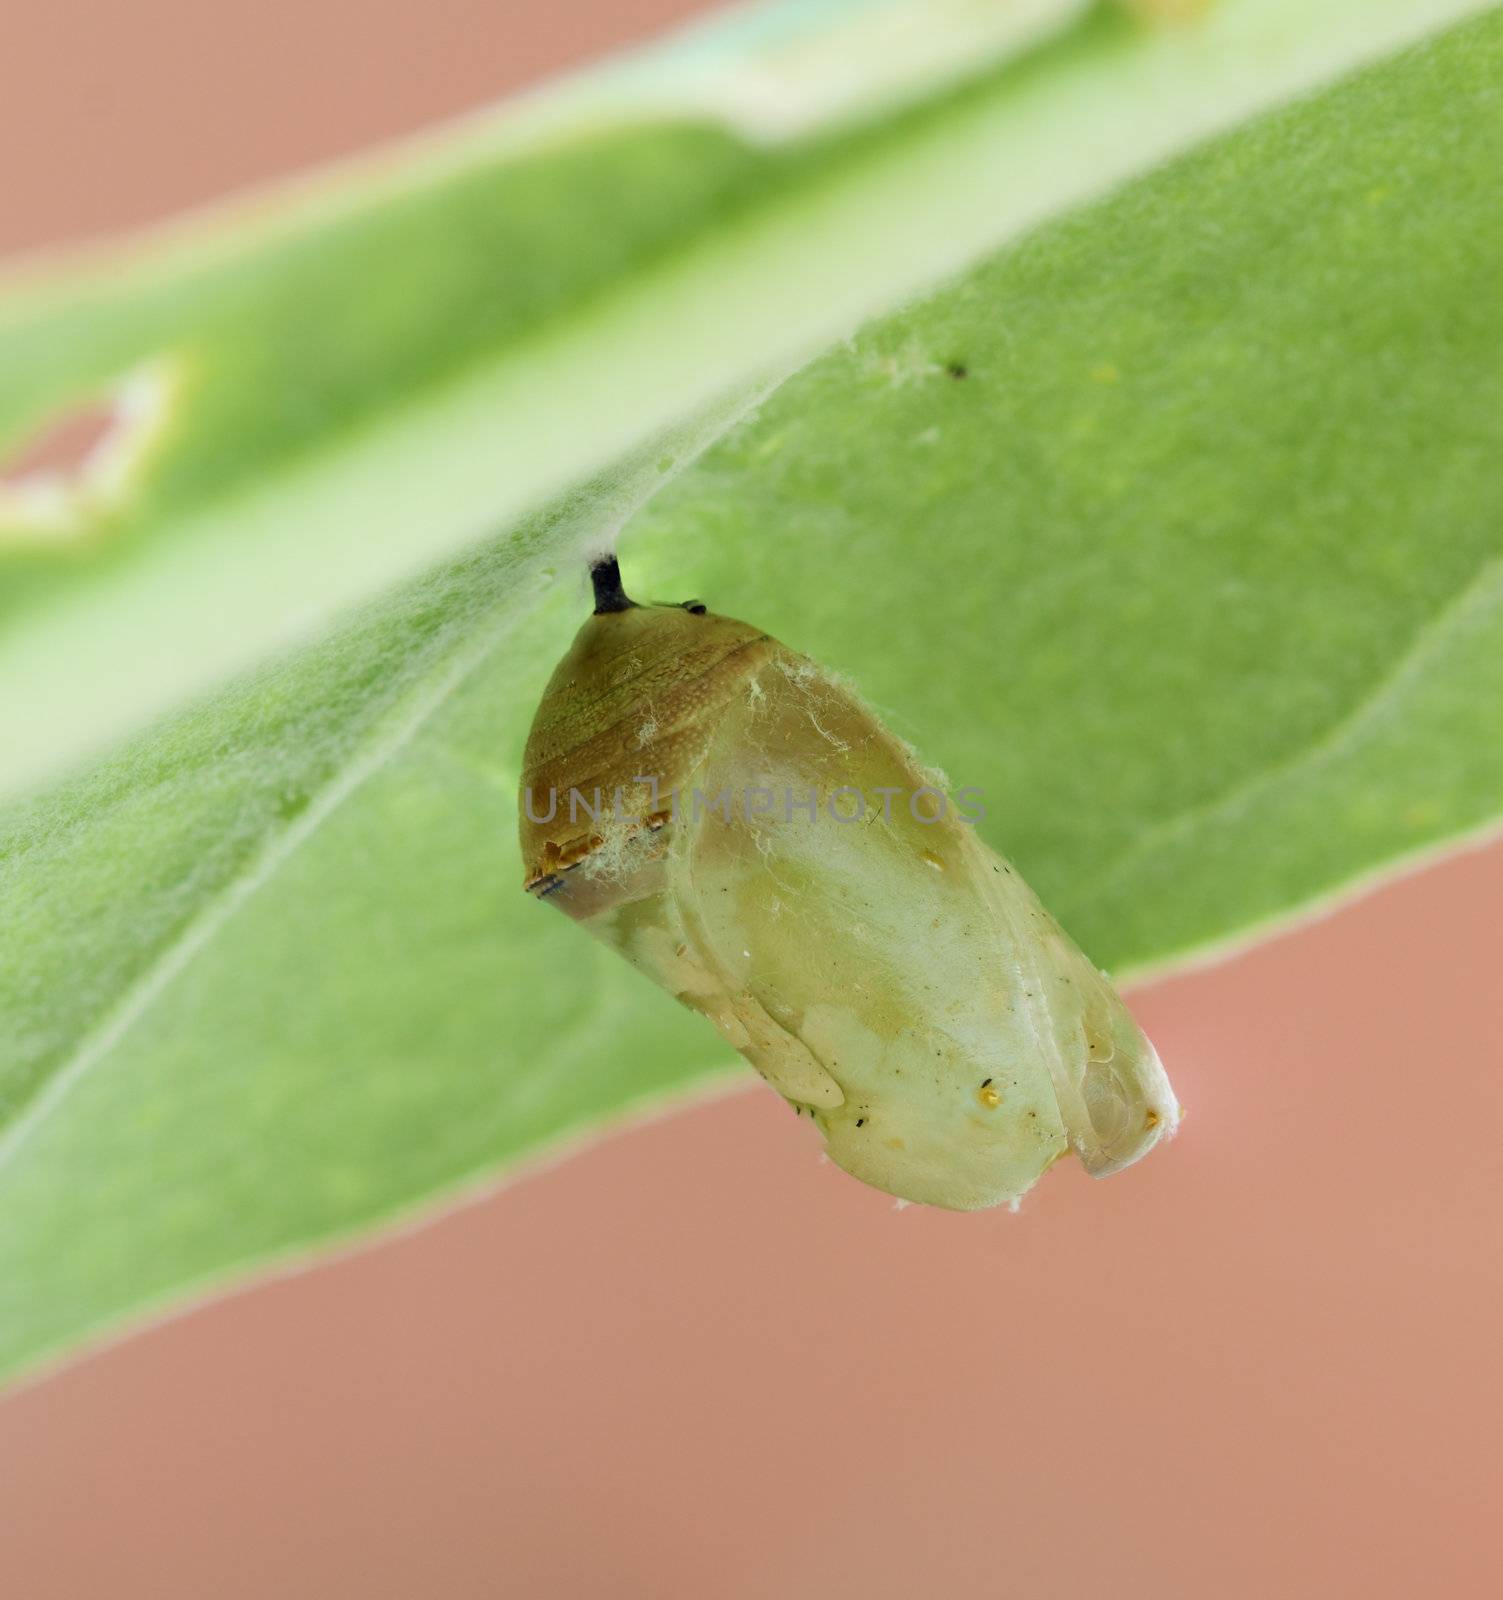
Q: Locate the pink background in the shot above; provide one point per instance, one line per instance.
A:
(694, 1362)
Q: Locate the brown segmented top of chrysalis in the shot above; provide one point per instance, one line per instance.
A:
(636, 696)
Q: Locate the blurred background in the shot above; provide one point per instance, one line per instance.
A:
(693, 1361)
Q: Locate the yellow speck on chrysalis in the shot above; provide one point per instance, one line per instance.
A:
(990, 1096)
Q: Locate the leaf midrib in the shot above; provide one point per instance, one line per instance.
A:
(199, 931)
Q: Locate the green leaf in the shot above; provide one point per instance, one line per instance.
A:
(1175, 528)
(339, 391)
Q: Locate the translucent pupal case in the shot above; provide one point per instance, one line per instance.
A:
(740, 826)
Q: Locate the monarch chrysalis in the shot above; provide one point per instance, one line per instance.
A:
(741, 827)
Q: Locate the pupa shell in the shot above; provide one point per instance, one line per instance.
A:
(738, 825)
